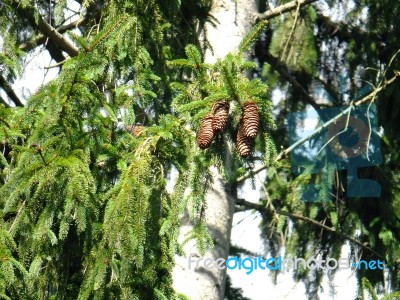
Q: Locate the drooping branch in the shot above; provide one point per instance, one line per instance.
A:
(10, 92)
(29, 13)
(263, 209)
(292, 5)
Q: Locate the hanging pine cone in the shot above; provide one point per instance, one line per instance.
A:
(251, 119)
(206, 133)
(220, 116)
(137, 130)
(244, 144)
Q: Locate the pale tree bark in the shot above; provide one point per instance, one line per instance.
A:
(235, 20)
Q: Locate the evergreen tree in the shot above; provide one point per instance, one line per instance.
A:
(85, 160)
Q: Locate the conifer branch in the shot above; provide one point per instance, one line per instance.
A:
(5, 123)
(10, 92)
(106, 33)
(39, 150)
(292, 5)
(17, 216)
(252, 36)
(263, 209)
(34, 18)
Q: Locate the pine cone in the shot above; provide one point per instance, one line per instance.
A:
(251, 119)
(206, 133)
(244, 144)
(220, 111)
(136, 129)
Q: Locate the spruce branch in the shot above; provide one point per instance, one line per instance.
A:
(17, 216)
(263, 209)
(252, 36)
(277, 11)
(39, 150)
(106, 32)
(34, 18)
(5, 123)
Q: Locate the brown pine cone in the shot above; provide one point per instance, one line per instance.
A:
(137, 130)
(206, 133)
(220, 116)
(251, 119)
(244, 144)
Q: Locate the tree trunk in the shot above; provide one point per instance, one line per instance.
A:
(235, 19)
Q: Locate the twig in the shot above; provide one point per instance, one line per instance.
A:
(261, 208)
(272, 13)
(285, 152)
(377, 90)
(56, 65)
(339, 133)
(291, 31)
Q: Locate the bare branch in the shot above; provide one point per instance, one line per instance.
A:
(41, 39)
(10, 92)
(263, 209)
(36, 21)
(292, 5)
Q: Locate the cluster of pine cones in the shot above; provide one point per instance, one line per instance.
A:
(216, 121)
